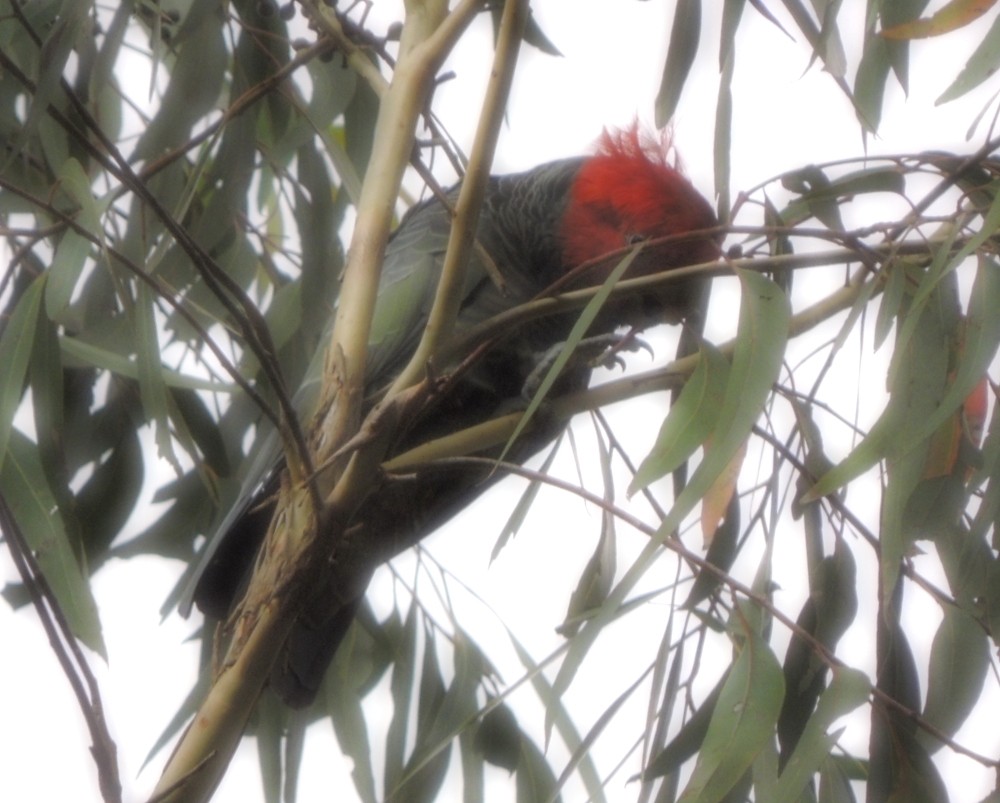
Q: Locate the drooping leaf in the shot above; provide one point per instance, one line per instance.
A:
(524, 503)
(689, 739)
(270, 720)
(959, 663)
(681, 51)
(151, 382)
(870, 81)
(899, 764)
(720, 496)
(722, 141)
(848, 689)
(60, 38)
(952, 16)
(561, 719)
(195, 83)
(690, 421)
(401, 686)
(917, 383)
(818, 197)
(760, 343)
(34, 508)
(595, 581)
(834, 783)
(499, 738)
(534, 779)
(982, 64)
(573, 339)
(721, 552)
(16, 342)
(741, 723)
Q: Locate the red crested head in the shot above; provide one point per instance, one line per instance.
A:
(628, 191)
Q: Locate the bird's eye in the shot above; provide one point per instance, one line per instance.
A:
(634, 238)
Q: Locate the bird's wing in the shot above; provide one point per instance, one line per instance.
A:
(406, 292)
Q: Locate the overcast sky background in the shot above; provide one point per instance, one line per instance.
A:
(785, 116)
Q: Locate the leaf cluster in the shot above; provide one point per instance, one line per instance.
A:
(174, 255)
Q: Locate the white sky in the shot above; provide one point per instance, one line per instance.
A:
(613, 52)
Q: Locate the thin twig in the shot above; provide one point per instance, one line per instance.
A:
(674, 545)
(71, 658)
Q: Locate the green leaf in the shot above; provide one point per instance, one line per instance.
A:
(70, 23)
(982, 64)
(871, 79)
(534, 780)
(424, 772)
(109, 496)
(270, 720)
(595, 581)
(732, 12)
(401, 687)
(826, 615)
(536, 37)
(16, 345)
(959, 663)
(742, 722)
(684, 38)
(573, 339)
(524, 503)
(498, 738)
(818, 197)
(473, 769)
(77, 352)
(151, 382)
(50, 398)
(294, 744)
(558, 714)
(195, 84)
(834, 783)
(848, 689)
(343, 691)
(892, 14)
(831, 47)
(722, 144)
(34, 507)
(75, 182)
(890, 305)
(982, 337)
(721, 553)
(67, 265)
(917, 377)
(692, 418)
(689, 738)
(760, 346)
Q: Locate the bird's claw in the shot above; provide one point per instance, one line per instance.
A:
(602, 351)
(610, 356)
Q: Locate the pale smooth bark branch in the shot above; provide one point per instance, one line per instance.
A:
(286, 563)
(427, 38)
(470, 199)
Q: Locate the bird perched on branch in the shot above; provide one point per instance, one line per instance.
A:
(536, 229)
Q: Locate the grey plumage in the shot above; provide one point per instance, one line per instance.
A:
(520, 228)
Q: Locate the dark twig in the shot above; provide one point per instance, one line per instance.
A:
(67, 651)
